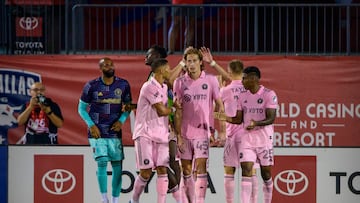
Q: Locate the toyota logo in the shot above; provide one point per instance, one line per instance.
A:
(28, 23)
(291, 182)
(58, 181)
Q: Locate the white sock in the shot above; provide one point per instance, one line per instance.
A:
(104, 197)
(115, 199)
(132, 201)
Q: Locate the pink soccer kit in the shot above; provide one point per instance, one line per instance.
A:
(152, 129)
(196, 97)
(148, 123)
(230, 95)
(254, 108)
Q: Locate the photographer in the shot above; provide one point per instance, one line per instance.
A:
(41, 117)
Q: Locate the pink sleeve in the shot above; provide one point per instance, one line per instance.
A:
(230, 103)
(271, 100)
(152, 94)
(216, 88)
(176, 89)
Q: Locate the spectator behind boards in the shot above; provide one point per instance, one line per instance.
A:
(190, 14)
(42, 117)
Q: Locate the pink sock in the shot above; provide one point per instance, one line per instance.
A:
(200, 187)
(246, 186)
(267, 190)
(139, 186)
(162, 183)
(229, 185)
(255, 189)
(189, 186)
(182, 191)
(177, 195)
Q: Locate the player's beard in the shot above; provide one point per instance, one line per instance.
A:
(109, 73)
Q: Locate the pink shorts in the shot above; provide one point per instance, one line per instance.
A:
(150, 154)
(195, 148)
(263, 155)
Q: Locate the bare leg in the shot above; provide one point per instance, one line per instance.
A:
(173, 33)
(190, 32)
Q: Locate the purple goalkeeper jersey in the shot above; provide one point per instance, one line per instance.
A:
(105, 103)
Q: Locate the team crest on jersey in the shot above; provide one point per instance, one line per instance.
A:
(156, 94)
(204, 86)
(118, 92)
(260, 101)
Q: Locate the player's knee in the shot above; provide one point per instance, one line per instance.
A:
(265, 174)
(161, 170)
(145, 173)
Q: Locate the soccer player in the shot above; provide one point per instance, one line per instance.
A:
(151, 132)
(230, 95)
(196, 91)
(105, 97)
(174, 175)
(256, 112)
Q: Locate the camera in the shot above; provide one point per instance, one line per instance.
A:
(43, 100)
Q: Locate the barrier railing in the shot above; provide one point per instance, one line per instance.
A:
(285, 29)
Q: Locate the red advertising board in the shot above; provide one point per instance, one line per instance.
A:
(29, 26)
(318, 96)
(57, 181)
(294, 179)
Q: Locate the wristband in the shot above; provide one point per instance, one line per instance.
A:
(182, 64)
(173, 109)
(123, 117)
(213, 63)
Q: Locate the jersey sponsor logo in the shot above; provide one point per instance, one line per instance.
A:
(110, 101)
(187, 98)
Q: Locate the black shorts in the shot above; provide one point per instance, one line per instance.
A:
(43, 138)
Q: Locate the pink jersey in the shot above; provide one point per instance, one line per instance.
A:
(197, 100)
(254, 108)
(230, 96)
(147, 122)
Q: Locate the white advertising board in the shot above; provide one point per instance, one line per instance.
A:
(68, 173)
